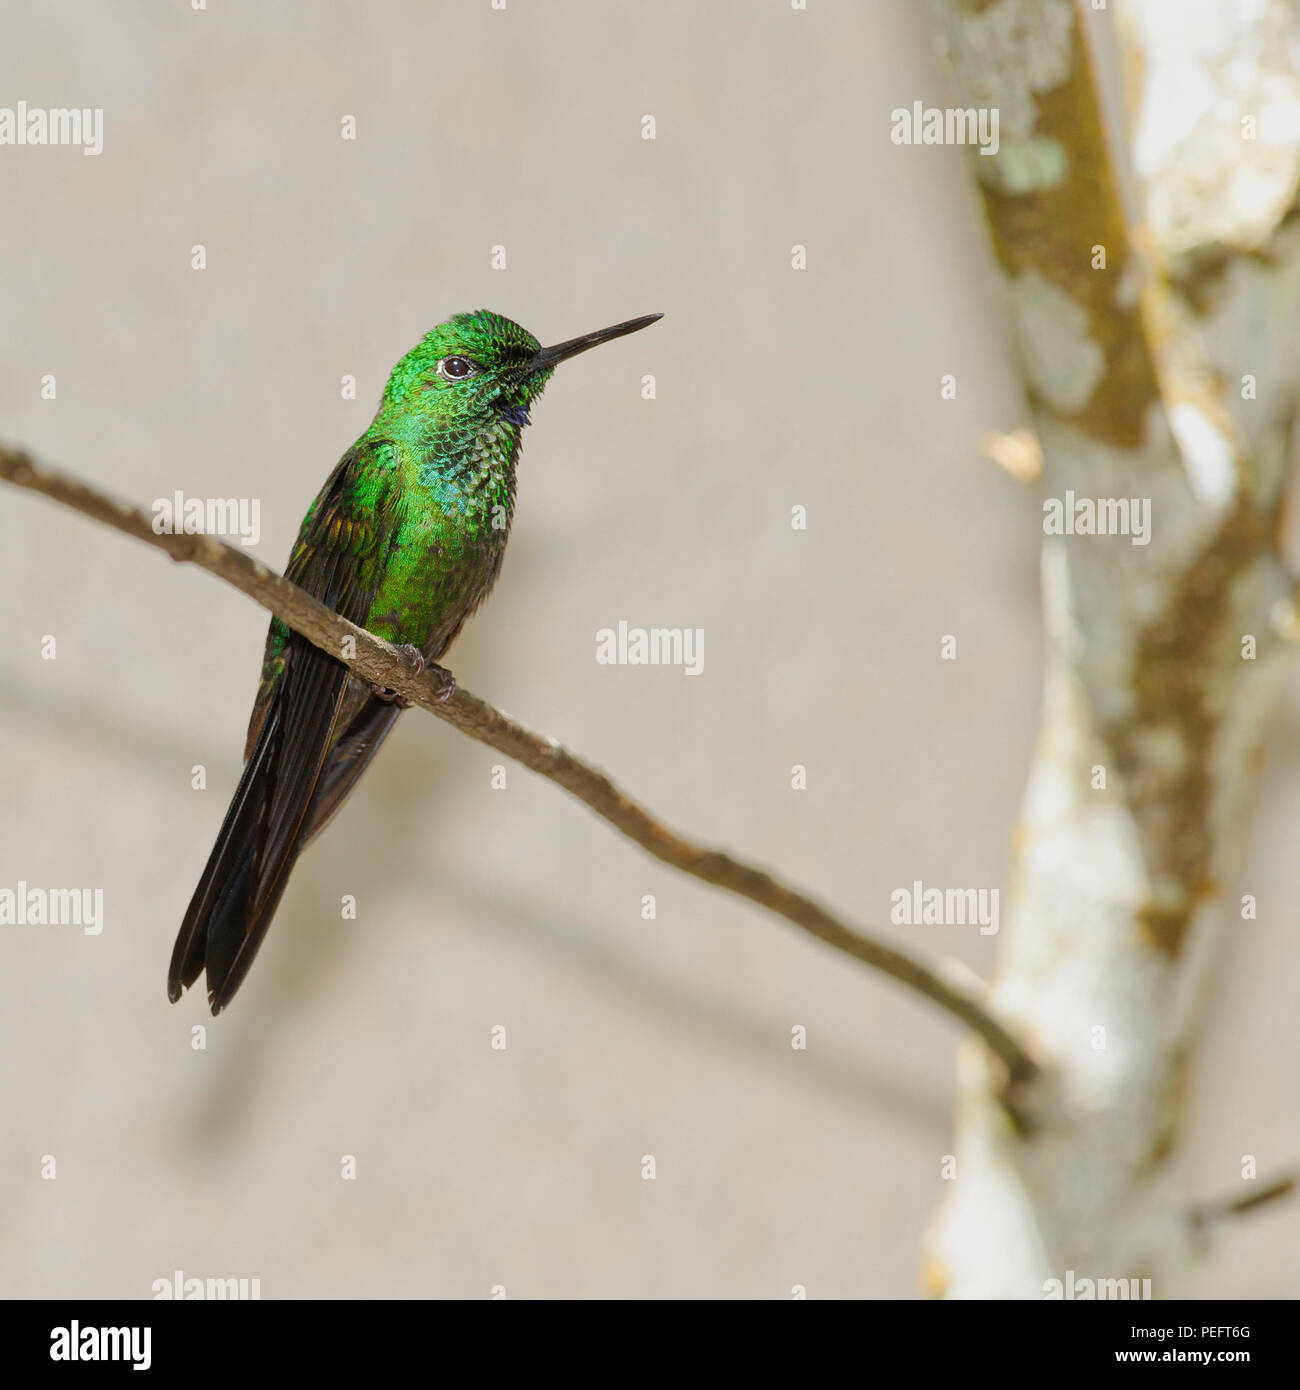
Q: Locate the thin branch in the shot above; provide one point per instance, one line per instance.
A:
(376, 661)
(1210, 1213)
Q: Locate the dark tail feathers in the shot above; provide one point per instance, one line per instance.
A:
(262, 834)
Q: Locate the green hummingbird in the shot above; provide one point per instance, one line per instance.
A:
(406, 539)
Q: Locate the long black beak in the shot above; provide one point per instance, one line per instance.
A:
(561, 352)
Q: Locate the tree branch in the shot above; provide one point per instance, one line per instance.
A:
(1208, 1213)
(375, 660)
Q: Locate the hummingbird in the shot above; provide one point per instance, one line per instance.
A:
(405, 539)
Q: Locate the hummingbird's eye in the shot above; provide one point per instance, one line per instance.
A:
(456, 368)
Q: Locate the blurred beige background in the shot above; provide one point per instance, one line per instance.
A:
(478, 907)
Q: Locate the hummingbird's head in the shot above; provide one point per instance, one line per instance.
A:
(482, 364)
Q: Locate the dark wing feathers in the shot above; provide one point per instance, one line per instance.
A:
(348, 759)
(338, 559)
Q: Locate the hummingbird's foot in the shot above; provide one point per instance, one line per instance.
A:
(446, 681)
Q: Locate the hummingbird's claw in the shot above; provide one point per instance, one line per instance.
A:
(446, 681)
(416, 655)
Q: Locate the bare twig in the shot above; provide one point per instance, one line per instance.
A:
(1210, 1213)
(375, 660)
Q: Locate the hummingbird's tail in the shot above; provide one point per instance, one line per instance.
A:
(263, 832)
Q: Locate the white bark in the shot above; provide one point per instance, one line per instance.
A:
(1120, 897)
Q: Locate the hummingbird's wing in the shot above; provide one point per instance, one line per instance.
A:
(347, 760)
(338, 559)
(352, 753)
